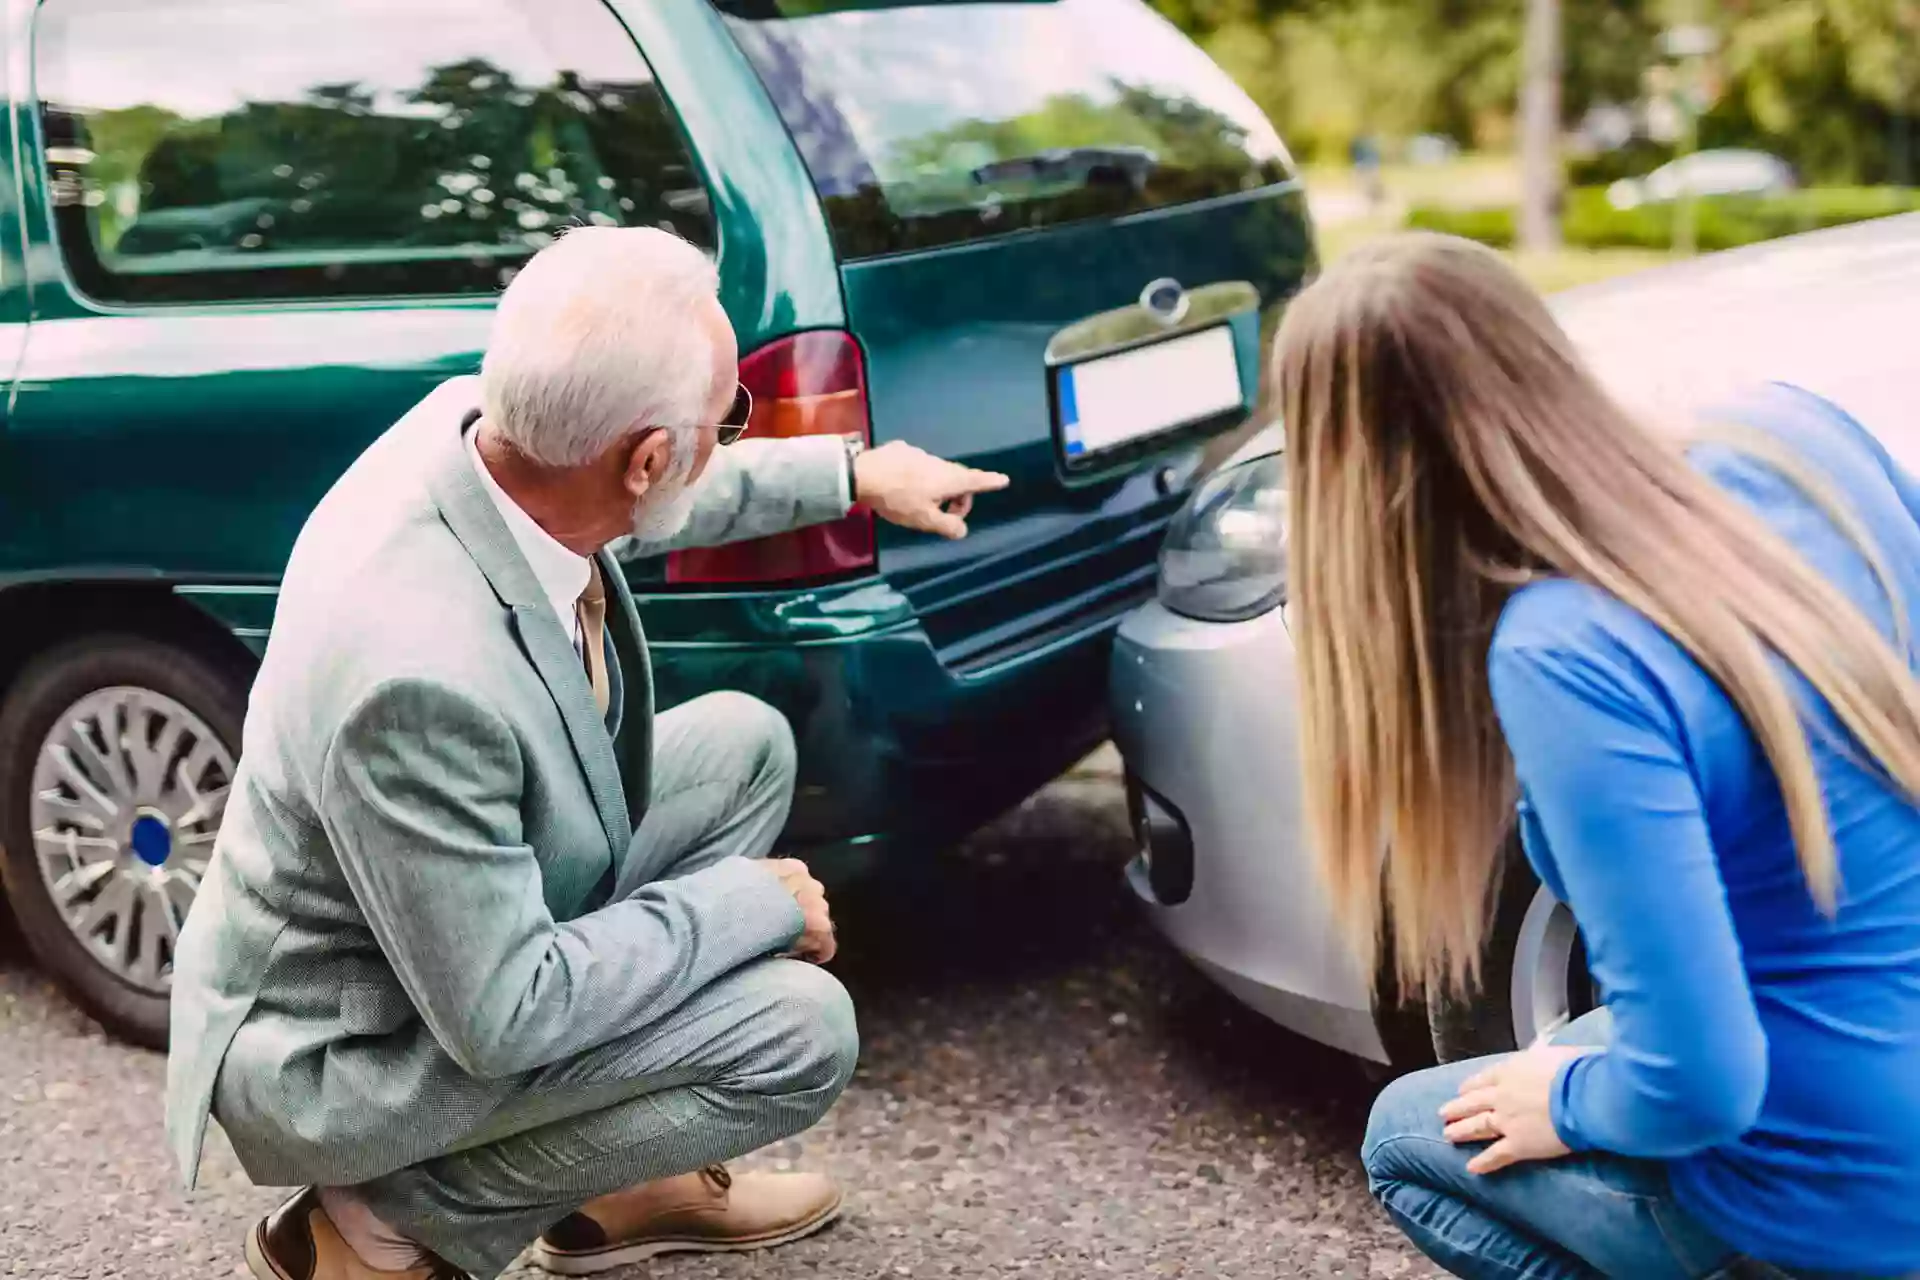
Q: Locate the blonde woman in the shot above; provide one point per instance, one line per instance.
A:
(1689, 672)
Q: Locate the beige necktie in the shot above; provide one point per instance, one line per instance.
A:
(592, 614)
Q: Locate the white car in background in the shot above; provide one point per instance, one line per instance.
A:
(1203, 686)
(1728, 171)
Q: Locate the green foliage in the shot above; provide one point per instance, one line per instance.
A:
(1493, 227)
(1590, 222)
(1831, 85)
(1329, 71)
(1635, 160)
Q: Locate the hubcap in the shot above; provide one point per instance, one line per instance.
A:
(128, 791)
(1550, 981)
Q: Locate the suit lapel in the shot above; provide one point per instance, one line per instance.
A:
(634, 742)
(475, 521)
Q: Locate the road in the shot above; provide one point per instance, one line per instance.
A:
(1045, 1092)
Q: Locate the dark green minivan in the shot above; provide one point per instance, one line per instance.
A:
(240, 237)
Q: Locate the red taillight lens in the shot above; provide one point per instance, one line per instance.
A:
(810, 384)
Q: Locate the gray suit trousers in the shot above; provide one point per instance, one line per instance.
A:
(753, 1058)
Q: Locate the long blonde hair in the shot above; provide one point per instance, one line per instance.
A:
(1446, 445)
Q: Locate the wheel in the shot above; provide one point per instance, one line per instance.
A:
(1533, 978)
(116, 754)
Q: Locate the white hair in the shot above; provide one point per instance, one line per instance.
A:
(596, 334)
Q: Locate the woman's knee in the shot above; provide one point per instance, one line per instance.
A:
(1404, 1131)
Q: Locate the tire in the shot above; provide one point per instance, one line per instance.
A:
(1533, 975)
(117, 751)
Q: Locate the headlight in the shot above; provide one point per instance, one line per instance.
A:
(1225, 558)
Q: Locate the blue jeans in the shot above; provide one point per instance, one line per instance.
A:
(1593, 1214)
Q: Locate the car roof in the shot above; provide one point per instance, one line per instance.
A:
(1836, 312)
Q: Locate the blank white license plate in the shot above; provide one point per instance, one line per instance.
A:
(1113, 401)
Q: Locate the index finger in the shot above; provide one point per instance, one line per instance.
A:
(969, 481)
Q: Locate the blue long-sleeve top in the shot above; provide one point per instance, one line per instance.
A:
(1769, 1053)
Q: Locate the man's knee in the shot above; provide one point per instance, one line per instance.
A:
(757, 735)
(812, 1034)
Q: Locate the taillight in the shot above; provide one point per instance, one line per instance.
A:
(809, 384)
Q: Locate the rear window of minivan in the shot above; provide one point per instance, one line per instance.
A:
(940, 122)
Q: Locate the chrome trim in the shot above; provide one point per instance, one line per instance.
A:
(1175, 310)
(1134, 325)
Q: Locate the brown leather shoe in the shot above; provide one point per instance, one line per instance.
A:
(298, 1242)
(712, 1211)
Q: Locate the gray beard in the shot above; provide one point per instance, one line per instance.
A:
(656, 519)
(659, 520)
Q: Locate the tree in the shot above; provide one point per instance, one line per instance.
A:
(1832, 85)
(1540, 172)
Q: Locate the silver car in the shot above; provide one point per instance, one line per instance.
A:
(1203, 680)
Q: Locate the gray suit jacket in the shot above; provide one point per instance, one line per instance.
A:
(410, 890)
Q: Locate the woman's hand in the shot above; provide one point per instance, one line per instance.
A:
(1510, 1105)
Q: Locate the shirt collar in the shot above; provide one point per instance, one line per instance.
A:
(561, 573)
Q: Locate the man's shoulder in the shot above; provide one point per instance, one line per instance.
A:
(378, 528)
(378, 586)
(413, 604)
(392, 477)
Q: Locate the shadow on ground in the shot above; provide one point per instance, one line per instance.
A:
(1030, 924)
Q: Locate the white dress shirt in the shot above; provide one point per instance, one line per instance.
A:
(562, 574)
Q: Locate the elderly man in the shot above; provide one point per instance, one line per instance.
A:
(486, 950)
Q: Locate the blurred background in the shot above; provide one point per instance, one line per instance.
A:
(1591, 136)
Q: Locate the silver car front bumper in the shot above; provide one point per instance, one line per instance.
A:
(1204, 715)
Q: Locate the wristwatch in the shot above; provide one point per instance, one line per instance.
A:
(855, 447)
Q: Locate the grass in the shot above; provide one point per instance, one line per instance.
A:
(1473, 181)
(1570, 268)
(1549, 272)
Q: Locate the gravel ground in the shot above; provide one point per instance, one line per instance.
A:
(1045, 1092)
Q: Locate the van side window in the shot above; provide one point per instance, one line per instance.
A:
(240, 150)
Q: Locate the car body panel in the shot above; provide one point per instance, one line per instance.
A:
(1204, 713)
(958, 340)
(1834, 311)
(778, 273)
(1185, 725)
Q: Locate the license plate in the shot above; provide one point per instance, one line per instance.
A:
(1114, 405)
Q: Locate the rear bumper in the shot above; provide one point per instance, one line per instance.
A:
(900, 749)
(899, 753)
(1203, 714)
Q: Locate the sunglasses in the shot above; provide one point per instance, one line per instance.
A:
(734, 425)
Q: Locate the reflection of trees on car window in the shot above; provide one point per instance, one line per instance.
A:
(933, 124)
(1175, 132)
(412, 173)
(476, 158)
(938, 187)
